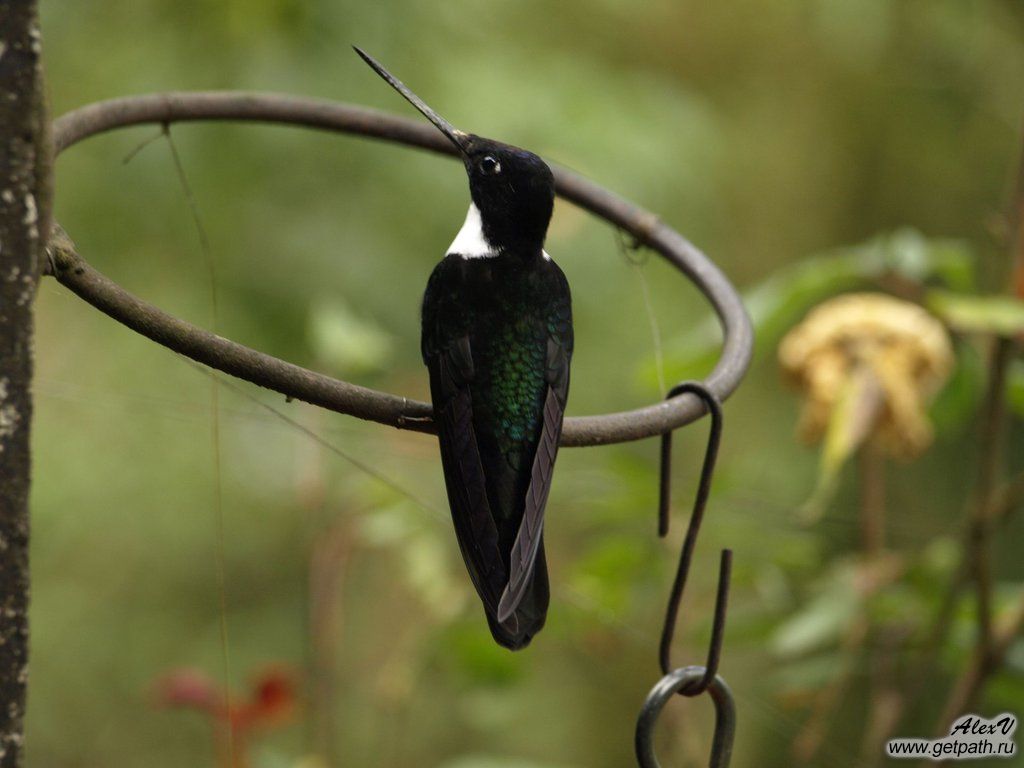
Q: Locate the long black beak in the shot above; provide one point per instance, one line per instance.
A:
(455, 136)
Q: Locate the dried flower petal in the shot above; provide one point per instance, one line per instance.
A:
(894, 343)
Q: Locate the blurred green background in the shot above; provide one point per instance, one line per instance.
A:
(868, 136)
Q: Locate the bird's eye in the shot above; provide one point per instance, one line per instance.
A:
(490, 165)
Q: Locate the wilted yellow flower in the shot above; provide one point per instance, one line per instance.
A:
(870, 363)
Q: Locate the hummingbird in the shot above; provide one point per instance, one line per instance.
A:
(497, 339)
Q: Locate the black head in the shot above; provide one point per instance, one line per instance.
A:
(514, 189)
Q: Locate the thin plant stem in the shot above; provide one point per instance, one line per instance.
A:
(979, 533)
(872, 499)
(235, 757)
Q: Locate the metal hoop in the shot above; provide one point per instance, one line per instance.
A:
(677, 682)
(343, 397)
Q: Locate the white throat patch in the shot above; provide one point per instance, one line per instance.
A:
(470, 242)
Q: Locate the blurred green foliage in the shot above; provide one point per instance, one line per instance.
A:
(999, 315)
(765, 131)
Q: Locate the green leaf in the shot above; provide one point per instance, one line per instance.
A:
(853, 416)
(957, 401)
(809, 674)
(607, 572)
(777, 303)
(818, 625)
(344, 342)
(1006, 691)
(999, 315)
(1015, 658)
(470, 652)
(822, 621)
(1015, 387)
(423, 555)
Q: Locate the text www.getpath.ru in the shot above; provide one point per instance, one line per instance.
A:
(971, 737)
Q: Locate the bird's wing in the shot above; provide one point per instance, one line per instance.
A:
(528, 539)
(449, 358)
(464, 473)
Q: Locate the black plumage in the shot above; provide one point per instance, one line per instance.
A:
(497, 340)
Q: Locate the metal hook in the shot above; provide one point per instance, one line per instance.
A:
(714, 407)
(679, 682)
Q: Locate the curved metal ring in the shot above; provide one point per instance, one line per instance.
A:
(677, 682)
(352, 399)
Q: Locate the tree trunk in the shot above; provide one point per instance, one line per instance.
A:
(24, 218)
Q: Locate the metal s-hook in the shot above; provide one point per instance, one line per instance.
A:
(678, 682)
(691, 681)
(714, 407)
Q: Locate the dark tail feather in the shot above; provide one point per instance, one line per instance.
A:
(529, 617)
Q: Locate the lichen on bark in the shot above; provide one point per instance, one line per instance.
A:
(24, 221)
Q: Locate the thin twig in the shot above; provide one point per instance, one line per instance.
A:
(1006, 500)
(887, 700)
(990, 647)
(979, 533)
(813, 735)
(885, 704)
(988, 502)
(982, 666)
